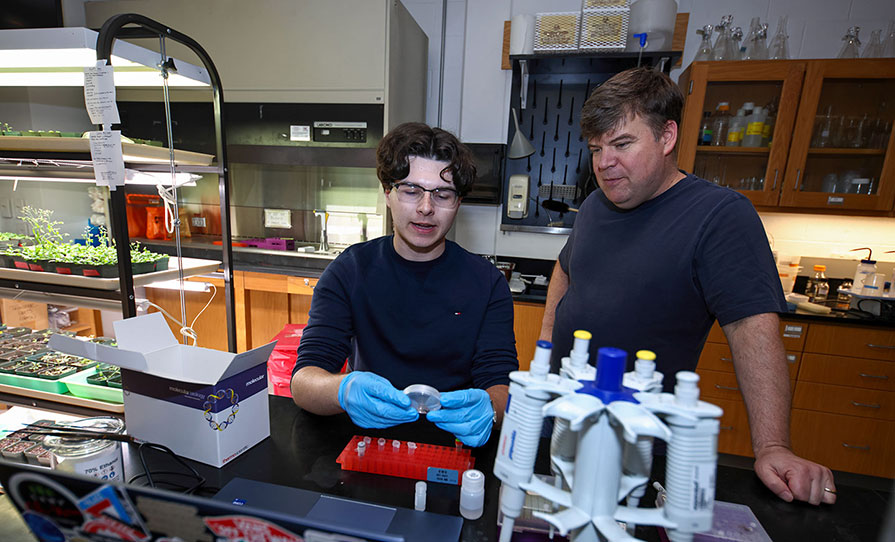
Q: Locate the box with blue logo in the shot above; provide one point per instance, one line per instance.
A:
(204, 404)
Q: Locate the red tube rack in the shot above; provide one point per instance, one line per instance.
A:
(426, 462)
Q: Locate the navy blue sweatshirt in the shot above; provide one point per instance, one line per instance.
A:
(447, 322)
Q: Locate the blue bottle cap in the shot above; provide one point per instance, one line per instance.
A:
(610, 368)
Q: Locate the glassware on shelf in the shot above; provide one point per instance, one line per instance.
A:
(720, 124)
(874, 48)
(852, 46)
(737, 37)
(705, 46)
(723, 49)
(829, 183)
(879, 133)
(889, 42)
(779, 49)
(823, 130)
(756, 43)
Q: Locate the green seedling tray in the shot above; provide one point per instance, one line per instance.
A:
(34, 383)
(78, 386)
(67, 372)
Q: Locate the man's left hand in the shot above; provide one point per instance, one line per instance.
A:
(467, 414)
(792, 477)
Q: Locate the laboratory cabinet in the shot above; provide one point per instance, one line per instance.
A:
(843, 407)
(826, 137)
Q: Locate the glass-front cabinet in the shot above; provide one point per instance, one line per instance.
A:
(841, 153)
(740, 152)
(812, 134)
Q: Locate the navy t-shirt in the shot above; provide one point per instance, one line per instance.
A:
(447, 323)
(657, 276)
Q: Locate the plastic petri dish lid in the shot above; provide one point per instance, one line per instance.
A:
(423, 398)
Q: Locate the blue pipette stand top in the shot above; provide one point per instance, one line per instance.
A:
(610, 372)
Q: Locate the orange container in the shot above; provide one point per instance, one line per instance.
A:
(137, 206)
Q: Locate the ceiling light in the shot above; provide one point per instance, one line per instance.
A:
(58, 56)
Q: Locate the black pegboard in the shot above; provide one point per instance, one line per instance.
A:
(557, 88)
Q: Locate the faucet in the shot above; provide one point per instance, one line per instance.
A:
(324, 218)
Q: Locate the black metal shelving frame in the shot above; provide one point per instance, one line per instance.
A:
(143, 27)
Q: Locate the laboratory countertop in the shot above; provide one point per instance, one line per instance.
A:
(303, 447)
(312, 265)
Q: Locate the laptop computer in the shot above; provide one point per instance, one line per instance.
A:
(59, 506)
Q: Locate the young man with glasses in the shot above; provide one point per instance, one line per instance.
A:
(412, 308)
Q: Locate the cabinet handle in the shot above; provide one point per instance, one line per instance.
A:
(883, 346)
(720, 387)
(690, 90)
(307, 282)
(866, 405)
(728, 360)
(727, 428)
(775, 181)
(795, 187)
(852, 446)
(880, 377)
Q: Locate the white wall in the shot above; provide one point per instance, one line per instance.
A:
(815, 28)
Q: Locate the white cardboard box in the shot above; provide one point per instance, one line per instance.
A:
(203, 404)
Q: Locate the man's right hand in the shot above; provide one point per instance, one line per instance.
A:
(371, 401)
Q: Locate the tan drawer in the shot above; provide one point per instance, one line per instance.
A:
(860, 342)
(264, 282)
(842, 371)
(847, 443)
(793, 334)
(842, 400)
(719, 385)
(301, 285)
(717, 357)
(734, 437)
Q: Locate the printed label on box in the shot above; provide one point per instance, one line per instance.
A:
(444, 476)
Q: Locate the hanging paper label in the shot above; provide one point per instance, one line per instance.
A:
(108, 162)
(99, 94)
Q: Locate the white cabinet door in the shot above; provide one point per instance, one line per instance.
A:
(330, 51)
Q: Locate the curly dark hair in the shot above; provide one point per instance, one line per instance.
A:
(418, 139)
(642, 92)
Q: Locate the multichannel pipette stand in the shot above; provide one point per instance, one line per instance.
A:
(602, 433)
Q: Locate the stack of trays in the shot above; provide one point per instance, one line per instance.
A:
(26, 362)
(26, 448)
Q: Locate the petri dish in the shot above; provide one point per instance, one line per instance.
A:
(423, 398)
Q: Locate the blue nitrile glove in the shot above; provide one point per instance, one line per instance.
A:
(372, 401)
(467, 414)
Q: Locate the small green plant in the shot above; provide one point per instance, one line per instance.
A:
(44, 229)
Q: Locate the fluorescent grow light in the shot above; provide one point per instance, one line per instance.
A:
(58, 56)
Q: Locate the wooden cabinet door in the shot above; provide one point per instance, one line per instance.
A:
(527, 319)
(734, 437)
(841, 155)
(757, 172)
(847, 443)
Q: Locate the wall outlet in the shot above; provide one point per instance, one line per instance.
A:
(198, 221)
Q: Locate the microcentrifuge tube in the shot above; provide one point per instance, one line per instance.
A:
(367, 440)
(396, 445)
(411, 447)
(361, 448)
(419, 496)
(381, 442)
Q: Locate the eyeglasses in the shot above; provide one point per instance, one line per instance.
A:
(412, 193)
